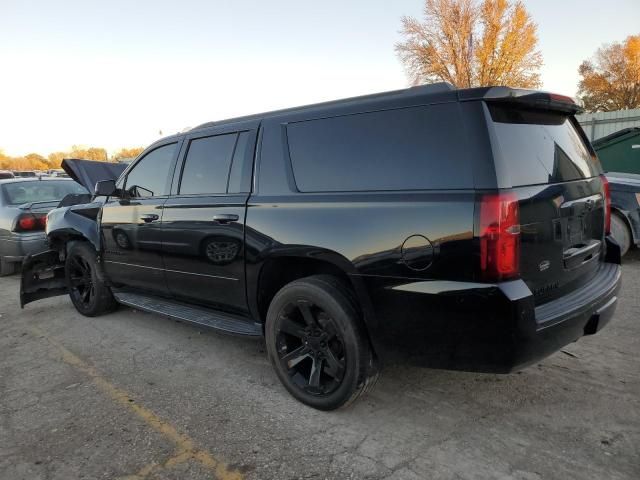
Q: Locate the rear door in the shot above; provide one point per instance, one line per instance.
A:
(130, 225)
(545, 157)
(203, 222)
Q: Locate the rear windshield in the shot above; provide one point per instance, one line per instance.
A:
(17, 193)
(541, 147)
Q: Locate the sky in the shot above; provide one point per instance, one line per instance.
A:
(121, 73)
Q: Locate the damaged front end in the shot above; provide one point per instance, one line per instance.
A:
(42, 277)
(75, 219)
(43, 274)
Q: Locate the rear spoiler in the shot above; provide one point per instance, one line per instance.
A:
(533, 99)
(30, 205)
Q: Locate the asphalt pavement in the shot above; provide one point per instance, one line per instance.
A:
(133, 395)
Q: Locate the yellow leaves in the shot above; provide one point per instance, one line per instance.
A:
(127, 153)
(33, 161)
(471, 43)
(611, 79)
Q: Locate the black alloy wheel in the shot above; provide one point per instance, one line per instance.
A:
(310, 347)
(317, 342)
(81, 287)
(87, 289)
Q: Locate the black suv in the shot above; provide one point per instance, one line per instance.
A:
(464, 229)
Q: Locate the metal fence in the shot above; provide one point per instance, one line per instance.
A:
(601, 124)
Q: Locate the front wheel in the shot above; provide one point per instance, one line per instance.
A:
(88, 291)
(317, 344)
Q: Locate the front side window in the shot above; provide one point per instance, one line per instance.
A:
(206, 169)
(150, 176)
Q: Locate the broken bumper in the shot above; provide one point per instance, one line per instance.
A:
(42, 277)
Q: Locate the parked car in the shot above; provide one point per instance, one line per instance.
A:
(24, 174)
(24, 203)
(625, 207)
(6, 174)
(464, 229)
(60, 173)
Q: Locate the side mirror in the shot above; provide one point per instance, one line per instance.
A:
(105, 188)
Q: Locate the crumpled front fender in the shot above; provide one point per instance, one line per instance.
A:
(78, 221)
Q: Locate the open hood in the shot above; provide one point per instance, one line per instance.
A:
(88, 172)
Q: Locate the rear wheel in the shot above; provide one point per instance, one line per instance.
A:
(88, 292)
(317, 344)
(621, 233)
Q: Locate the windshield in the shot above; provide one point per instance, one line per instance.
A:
(17, 193)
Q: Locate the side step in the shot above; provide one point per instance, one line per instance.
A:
(223, 322)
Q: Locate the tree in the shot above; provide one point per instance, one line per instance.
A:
(611, 79)
(93, 153)
(34, 161)
(127, 153)
(472, 43)
(55, 158)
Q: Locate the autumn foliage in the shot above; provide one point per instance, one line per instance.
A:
(34, 161)
(611, 79)
(472, 43)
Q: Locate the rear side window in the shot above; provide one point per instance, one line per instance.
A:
(405, 149)
(541, 147)
(207, 165)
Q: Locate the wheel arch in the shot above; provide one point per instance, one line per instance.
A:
(65, 225)
(278, 270)
(622, 213)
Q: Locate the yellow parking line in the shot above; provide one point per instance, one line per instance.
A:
(186, 447)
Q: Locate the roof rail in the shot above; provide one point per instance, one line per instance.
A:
(418, 89)
(433, 87)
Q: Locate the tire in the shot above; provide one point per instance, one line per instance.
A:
(621, 233)
(317, 344)
(7, 268)
(87, 290)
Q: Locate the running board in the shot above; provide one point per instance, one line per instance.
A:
(220, 321)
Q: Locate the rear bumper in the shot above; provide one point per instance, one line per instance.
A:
(18, 245)
(486, 328)
(558, 323)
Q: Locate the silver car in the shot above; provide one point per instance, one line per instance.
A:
(24, 204)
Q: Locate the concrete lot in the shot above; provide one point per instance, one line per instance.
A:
(134, 395)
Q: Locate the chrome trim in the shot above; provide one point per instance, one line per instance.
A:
(172, 271)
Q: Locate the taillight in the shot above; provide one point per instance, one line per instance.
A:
(499, 234)
(606, 190)
(28, 222)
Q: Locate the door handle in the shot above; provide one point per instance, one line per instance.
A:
(150, 217)
(225, 218)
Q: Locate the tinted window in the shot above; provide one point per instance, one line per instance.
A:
(240, 175)
(206, 168)
(17, 193)
(406, 149)
(541, 147)
(149, 177)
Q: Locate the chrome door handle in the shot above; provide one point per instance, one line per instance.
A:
(151, 217)
(225, 218)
